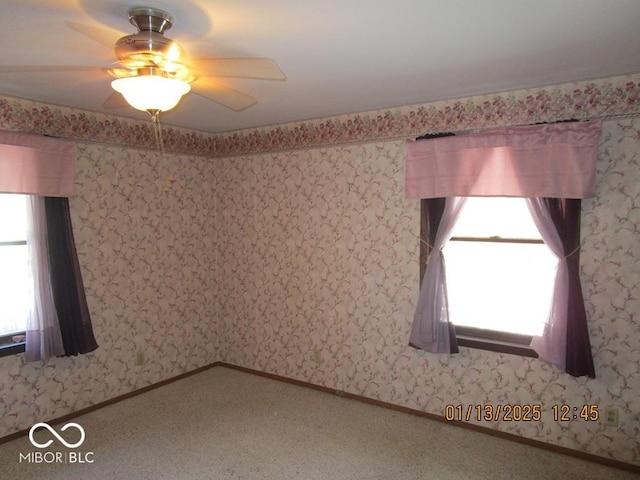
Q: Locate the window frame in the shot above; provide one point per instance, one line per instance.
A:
(8, 345)
(471, 337)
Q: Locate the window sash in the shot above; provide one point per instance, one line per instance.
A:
(499, 286)
(497, 240)
(13, 243)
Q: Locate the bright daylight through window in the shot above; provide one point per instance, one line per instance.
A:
(500, 275)
(14, 271)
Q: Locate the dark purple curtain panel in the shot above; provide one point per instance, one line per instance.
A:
(432, 211)
(566, 217)
(66, 281)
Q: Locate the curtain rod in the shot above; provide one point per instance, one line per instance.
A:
(604, 117)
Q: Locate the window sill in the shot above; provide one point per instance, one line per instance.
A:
(12, 349)
(8, 346)
(493, 341)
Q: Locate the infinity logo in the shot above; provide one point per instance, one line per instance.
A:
(55, 434)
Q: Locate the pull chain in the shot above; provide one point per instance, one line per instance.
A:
(157, 130)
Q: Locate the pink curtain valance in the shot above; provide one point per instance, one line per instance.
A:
(36, 165)
(556, 160)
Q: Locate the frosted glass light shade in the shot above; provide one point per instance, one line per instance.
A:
(151, 92)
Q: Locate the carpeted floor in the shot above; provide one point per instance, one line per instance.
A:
(226, 424)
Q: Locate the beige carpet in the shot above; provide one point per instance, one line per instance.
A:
(226, 424)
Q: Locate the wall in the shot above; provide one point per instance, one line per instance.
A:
(319, 256)
(299, 257)
(148, 264)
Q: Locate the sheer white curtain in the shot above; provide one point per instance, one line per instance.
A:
(43, 332)
(551, 346)
(431, 326)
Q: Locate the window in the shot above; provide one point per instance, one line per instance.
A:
(14, 274)
(552, 166)
(41, 289)
(499, 275)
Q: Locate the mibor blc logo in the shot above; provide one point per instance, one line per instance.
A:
(55, 434)
(57, 456)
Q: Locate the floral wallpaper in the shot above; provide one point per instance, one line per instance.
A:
(580, 100)
(292, 250)
(319, 249)
(148, 261)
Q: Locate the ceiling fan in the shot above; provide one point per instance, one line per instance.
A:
(147, 60)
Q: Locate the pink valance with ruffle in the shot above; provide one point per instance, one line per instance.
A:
(554, 160)
(36, 165)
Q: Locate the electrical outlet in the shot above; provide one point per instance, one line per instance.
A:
(140, 357)
(611, 418)
(316, 356)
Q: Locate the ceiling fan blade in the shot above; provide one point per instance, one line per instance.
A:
(223, 95)
(102, 35)
(45, 68)
(260, 68)
(115, 100)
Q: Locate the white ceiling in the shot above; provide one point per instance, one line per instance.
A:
(339, 56)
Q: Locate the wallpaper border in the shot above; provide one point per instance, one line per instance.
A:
(581, 100)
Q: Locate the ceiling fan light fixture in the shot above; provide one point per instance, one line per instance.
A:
(151, 93)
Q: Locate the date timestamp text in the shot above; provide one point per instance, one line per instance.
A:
(518, 412)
